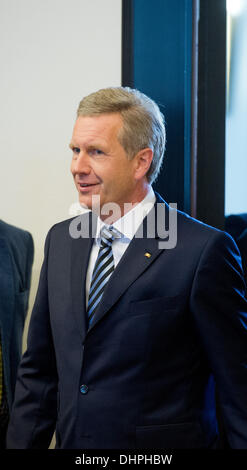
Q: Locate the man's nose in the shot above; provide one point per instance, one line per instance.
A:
(81, 164)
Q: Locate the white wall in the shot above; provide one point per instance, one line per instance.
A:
(52, 53)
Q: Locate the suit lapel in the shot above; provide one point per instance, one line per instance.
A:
(80, 252)
(131, 266)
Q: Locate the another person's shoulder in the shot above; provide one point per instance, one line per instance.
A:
(14, 234)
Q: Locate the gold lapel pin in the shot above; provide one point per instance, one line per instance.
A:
(148, 255)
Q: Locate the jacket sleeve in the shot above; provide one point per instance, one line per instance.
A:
(29, 255)
(33, 415)
(219, 307)
(29, 259)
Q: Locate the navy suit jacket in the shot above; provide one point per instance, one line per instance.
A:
(242, 245)
(16, 258)
(167, 328)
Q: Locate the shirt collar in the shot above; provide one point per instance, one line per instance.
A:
(128, 225)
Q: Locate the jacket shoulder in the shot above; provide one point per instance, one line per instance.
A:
(199, 234)
(193, 233)
(8, 231)
(187, 223)
(65, 224)
(72, 227)
(16, 238)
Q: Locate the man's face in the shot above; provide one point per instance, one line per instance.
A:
(99, 164)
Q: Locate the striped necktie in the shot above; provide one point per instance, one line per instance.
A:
(103, 269)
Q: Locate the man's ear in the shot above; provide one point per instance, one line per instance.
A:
(143, 161)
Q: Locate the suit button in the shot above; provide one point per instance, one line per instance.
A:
(84, 389)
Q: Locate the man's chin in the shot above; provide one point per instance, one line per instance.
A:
(85, 203)
(90, 202)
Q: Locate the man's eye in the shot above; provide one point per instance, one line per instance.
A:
(76, 150)
(96, 152)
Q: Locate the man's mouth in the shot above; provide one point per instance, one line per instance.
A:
(86, 186)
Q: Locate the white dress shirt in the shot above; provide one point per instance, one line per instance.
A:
(127, 226)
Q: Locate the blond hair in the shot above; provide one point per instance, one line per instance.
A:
(143, 122)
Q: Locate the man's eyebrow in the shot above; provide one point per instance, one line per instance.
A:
(89, 146)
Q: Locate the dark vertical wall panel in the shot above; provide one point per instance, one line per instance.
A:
(211, 113)
(169, 46)
(161, 68)
(127, 43)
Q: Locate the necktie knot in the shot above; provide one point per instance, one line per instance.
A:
(107, 236)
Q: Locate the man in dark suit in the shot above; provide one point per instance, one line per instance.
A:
(16, 258)
(132, 326)
(236, 225)
(242, 245)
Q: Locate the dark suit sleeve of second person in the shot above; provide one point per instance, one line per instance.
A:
(219, 309)
(28, 269)
(29, 262)
(33, 415)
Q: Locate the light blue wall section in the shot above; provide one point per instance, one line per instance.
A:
(236, 120)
